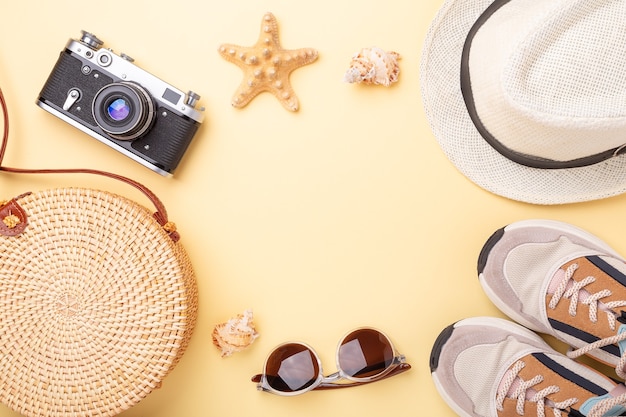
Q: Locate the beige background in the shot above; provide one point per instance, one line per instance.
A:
(344, 214)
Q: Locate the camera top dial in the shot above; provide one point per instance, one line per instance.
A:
(91, 40)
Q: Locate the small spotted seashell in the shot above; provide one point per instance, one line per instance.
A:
(373, 66)
(236, 334)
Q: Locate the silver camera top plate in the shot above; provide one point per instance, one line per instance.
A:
(123, 68)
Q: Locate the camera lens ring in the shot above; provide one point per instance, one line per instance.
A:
(124, 110)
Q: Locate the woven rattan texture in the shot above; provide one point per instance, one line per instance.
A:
(97, 305)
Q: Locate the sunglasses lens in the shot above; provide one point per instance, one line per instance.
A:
(291, 367)
(365, 353)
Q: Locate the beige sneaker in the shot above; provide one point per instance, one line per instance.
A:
(558, 279)
(491, 367)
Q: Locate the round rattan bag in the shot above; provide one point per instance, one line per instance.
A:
(98, 301)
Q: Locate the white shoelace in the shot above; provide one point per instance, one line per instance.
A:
(573, 293)
(524, 390)
(513, 386)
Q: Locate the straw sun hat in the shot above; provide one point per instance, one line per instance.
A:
(527, 98)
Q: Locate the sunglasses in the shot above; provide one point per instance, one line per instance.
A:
(364, 355)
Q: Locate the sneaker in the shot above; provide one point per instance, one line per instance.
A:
(491, 367)
(560, 280)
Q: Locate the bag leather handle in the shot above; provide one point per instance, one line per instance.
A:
(160, 215)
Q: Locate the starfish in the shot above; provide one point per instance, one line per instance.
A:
(267, 66)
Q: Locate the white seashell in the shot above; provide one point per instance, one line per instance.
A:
(373, 66)
(236, 334)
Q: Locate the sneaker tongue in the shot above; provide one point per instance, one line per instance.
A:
(530, 393)
(619, 389)
(583, 294)
(557, 278)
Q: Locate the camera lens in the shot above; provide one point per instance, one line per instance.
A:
(118, 110)
(124, 110)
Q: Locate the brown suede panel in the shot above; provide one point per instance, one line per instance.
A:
(603, 281)
(600, 328)
(510, 409)
(581, 320)
(567, 389)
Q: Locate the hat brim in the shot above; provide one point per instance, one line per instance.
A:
(465, 147)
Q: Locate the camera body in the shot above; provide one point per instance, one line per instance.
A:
(108, 97)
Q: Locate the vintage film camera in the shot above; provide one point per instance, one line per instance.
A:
(108, 97)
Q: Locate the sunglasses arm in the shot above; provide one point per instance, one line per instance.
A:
(330, 382)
